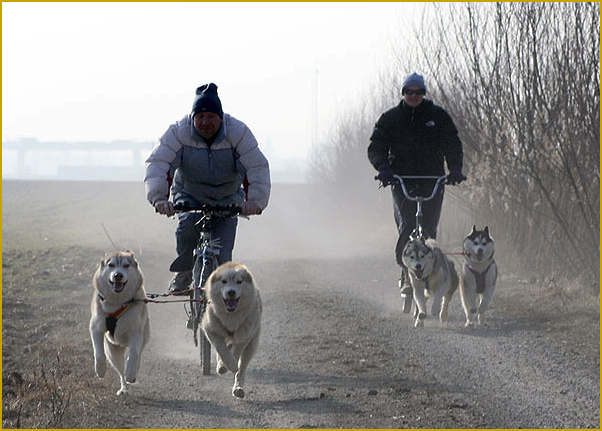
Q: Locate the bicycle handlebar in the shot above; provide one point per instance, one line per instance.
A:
(400, 179)
(428, 177)
(185, 206)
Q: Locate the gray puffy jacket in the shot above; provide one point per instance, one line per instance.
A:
(211, 174)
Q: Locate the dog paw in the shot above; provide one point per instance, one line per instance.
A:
(123, 391)
(418, 323)
(221, 368)
(469, 325)
(238, 392)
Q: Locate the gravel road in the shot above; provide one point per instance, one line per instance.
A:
(335, 351)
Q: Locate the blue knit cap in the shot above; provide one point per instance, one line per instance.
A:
(207, 100)
(413, 79)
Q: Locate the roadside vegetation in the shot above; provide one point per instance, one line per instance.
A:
(522, 83)
(47, 377)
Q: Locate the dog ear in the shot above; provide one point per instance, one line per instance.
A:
(487, 233)
(474, 229)
(214, 277)
(105, 260)
(246, 276)
(132, 258)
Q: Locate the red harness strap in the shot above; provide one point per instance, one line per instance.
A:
(117, 314)
(111, 318)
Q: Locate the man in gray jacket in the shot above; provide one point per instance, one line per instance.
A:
(206, 157)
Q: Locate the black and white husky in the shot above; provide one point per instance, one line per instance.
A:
(432, 275)
(479, 274)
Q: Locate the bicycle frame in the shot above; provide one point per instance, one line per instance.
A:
(205, 261)
(417, 232)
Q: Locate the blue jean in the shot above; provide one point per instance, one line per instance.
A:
(187, 235)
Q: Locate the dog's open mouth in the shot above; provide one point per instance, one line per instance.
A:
(419, 273)
(118, 286)
(231, 304)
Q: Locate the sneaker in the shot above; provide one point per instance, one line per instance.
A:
(180, 283)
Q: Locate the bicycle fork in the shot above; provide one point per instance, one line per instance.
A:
(417, 232)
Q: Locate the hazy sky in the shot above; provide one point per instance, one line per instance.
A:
(109, 71)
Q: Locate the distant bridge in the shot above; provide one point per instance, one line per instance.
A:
(116, 160)
(28, 159)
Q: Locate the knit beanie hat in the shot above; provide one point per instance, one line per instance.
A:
(207, 100)
(413, 79)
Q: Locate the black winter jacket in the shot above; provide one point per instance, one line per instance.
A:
(415, 141)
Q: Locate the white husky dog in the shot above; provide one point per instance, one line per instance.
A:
(432, 275)
(232, 320)
(479, 274)
(119, 317)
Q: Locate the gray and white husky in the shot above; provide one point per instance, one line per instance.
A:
(432, 275)
(479, 274)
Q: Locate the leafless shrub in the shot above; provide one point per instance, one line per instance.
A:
(522, 82)
(58, 397)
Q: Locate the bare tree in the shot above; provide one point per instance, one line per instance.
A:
(522, 82)
(529, 80)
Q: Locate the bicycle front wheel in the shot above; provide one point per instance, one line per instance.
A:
(205, 355)
(205, 345)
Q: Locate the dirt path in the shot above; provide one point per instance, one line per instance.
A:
(335, 350)
(333, 356)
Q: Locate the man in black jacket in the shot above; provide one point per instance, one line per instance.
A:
(415, 138)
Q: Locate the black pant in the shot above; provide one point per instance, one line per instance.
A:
(405, 213)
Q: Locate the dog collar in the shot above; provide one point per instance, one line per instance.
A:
(466, 253)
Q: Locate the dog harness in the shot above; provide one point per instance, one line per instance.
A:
(480, 278)
(111, 318)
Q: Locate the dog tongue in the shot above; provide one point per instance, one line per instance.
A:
(231, 304)
(418, 273)
(118, 286)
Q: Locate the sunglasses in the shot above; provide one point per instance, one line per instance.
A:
(418, 92)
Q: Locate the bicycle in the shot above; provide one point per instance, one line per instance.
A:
(205, 261)
(417, 233)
